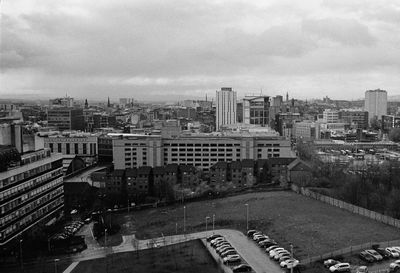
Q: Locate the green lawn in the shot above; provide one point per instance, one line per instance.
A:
(313, 227)
(182, 258)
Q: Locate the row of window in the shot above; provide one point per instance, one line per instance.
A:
(27, 196)
(30, 207)
(202, 150)
(65, 148)
(29, 184)
(26, 221)
(16, 178)
(202, 144)
(268, 145)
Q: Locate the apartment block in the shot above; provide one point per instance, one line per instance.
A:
(31, 192)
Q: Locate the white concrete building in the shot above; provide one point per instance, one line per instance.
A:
(376, 103)
(225, 107)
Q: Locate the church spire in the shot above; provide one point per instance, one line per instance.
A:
(108, 102)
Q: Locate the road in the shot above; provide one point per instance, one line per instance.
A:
(249, 251)
(85, 176)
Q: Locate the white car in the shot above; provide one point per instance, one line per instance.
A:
(273, 252)
(340, 267)
(280, 254)
(393, 253)
(289, 263)
(231, 259)
(395, 265)
(396, 248)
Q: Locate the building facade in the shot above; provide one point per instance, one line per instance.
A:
(31, 193)
(66, 119)
(307, 130)
(376, 103)
(256, 110)
(225, 106)
(357, 119)
(201, 151)
(330, 116)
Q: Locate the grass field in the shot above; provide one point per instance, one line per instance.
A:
(182, 258)
(313, 227)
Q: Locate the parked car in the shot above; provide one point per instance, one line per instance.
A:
(280, 254)
(393, 252)
(383, 252)
(271, 248)
(228, 252)
(284, 257)
(366, 257)
(289, 263)
(222, 250)
(232, 259)
(362, 269)
(273, 252)
(396, 248)
(212, 237)
(378, 257)
(328, 263)
(340, 267)
(242, 268)
(395, 266)
(250, 233)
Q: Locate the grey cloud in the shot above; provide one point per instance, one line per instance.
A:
(347, 32)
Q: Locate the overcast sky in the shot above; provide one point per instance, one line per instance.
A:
(166, 49)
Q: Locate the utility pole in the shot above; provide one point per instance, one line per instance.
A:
(184, 219)
(128, 205)
(247, 216)
(291, 256)
(213, 219)
(55, 265)
(20, 255)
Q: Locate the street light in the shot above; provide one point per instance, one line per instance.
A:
(207, 217)
(105, 237)
(291, 256)
(247, 216)
(20, 254)
(213, 221)
(55, 265)
(184, 219)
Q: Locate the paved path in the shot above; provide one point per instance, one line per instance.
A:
(250, 252)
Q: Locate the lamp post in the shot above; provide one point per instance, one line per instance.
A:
(176, 228)
(247, 216)
(20, 255)
(128, 205)
(55, 265)
(105, 237)
(291, 256)
(184, 219)
(213, 221)
(207, 217)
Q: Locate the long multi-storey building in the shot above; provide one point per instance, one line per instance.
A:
(199, 150)
(357, 119)
(31, 193)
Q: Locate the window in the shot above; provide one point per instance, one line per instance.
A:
(59, 147)
(84, 148)
(67, 148)
(76, 148)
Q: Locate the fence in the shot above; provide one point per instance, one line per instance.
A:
(347, 206)
(354, 209)
(348, 250)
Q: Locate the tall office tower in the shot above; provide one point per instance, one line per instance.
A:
(226, 107)
(31, 191)
(256, 110)
(376, 103)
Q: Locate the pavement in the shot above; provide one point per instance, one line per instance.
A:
(247, 249)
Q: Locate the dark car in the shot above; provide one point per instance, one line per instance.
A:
(384, 253)
(366, 257)
(212, 237)
(242, 268)
(251, 232)
(267, 243)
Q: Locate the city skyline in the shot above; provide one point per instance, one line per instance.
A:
(153, 50)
